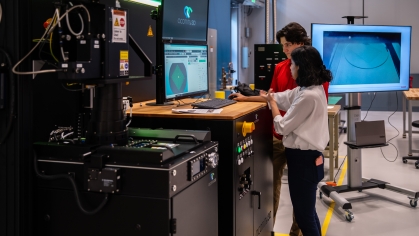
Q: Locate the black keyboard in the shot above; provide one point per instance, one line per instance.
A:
(214, 103)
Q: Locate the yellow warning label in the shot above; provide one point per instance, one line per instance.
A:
(150, 32)
(123, 54)
(116, 22)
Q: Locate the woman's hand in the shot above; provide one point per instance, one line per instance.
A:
(267, 95)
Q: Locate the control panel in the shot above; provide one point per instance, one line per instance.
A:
(267, 56)
(201, 164)
(244, 149)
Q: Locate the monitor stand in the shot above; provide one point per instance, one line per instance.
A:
(354, 175)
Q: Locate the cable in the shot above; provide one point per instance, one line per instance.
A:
(370, 106)
(73, 184)
(398, 132)
(1, 12)
(57, 12)
(50, 28)
(69, 26)
(12, 98)
(334, 178)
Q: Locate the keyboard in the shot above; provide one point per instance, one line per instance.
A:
(214, 103)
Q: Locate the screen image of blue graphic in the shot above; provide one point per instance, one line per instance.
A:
(362, 58)
(177, 79)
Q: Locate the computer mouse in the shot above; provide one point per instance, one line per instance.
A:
(231, 97)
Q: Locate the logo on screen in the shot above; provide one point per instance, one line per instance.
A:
(187, 11)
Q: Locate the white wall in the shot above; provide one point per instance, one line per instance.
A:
(305, 12)
(397, 12)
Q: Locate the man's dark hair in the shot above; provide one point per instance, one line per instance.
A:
(293, 33)
(311, 70)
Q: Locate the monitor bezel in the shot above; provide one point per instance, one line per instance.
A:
(186, 41)
(406, 34)
(192, 94)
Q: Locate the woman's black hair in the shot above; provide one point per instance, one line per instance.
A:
(293, 33)
(311, 70)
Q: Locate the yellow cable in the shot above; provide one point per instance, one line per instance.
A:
(50, 39)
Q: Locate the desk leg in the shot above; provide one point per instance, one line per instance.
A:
(331, 147)
(336, 139)
(404, 116)
(410, 127)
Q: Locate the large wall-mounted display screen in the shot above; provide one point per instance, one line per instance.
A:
(186, 70)
(364, 58)
(185, 20)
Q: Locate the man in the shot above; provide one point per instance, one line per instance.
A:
(290, 37)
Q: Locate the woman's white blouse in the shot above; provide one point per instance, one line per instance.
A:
(305, 124)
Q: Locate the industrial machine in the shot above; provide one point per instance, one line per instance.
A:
(162, 182)
(245, 168)
(102, 176)
(267, 56)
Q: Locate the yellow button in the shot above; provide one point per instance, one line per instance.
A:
(247, 128)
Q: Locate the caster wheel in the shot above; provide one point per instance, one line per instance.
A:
(417, 166)
(349, 216)
(413, 202)
(404, 161)
(320, 195)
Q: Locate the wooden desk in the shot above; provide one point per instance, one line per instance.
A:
(412, 98)
(332, 151)
(229, 112)
(242, 158)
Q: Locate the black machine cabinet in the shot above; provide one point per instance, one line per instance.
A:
(267, 56)
(244, 172)
(152, 190)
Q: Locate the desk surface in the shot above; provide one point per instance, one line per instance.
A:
(334, 110)
(412, 94)
(230, 112)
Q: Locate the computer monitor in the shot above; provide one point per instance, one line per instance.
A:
(185, 20)
(364, 58)
(185, 71)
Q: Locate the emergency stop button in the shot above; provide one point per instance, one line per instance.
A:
(247, 128)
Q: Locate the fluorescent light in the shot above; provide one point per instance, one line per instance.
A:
(154, 3)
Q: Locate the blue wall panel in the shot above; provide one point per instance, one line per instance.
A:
(220, 19)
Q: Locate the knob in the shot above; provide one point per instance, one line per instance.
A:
(247, 128)
(212, 159)
(80, 70)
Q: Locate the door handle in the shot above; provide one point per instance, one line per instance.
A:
(258, 194)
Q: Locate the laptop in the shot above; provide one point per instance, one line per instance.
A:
(369, 133)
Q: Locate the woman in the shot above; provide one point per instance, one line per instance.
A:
(305, 132)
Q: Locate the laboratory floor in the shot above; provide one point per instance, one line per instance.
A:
(376, 211)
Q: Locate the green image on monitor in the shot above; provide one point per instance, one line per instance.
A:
(178, 78)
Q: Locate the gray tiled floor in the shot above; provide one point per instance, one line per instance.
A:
(376, 211)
